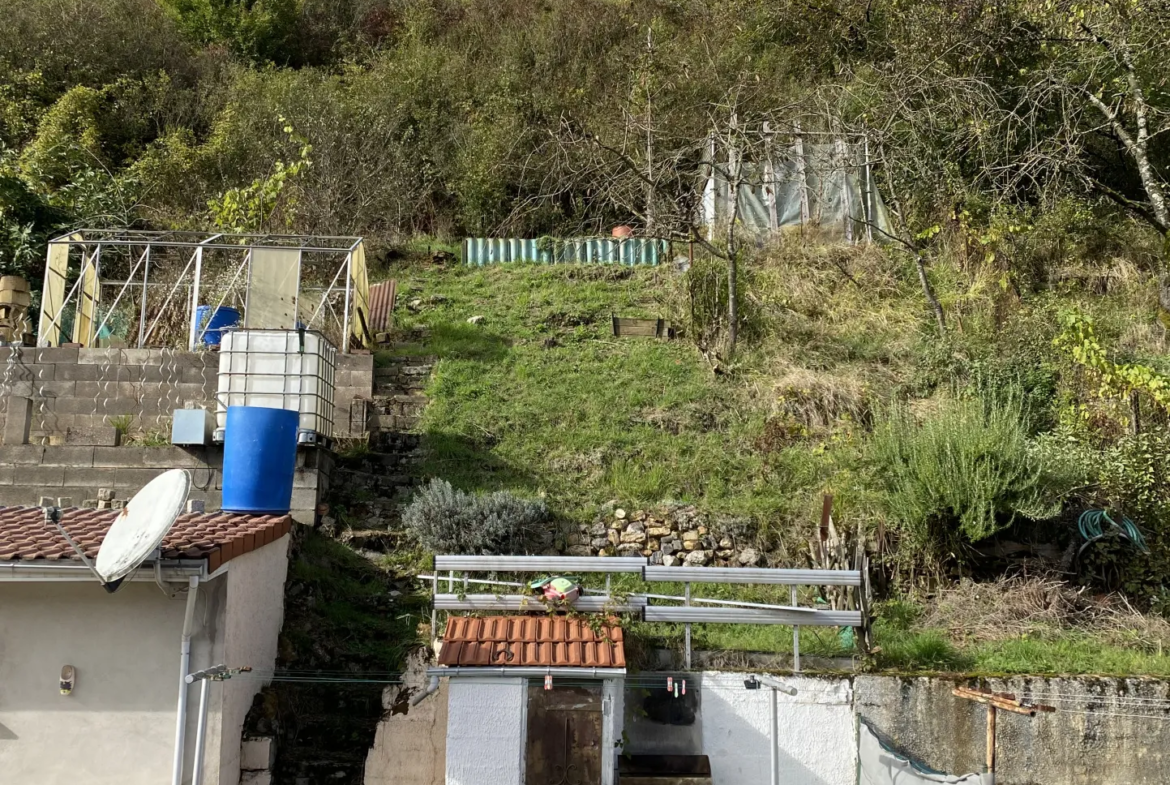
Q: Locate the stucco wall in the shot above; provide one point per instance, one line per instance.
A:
(117, 727)
(1105, 731)
(486, 733)
(255, 613)
(816, 732)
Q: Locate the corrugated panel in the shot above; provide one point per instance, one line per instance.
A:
(629, 251)
(382, 296)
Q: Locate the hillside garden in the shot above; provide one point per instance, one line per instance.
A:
(966, 387)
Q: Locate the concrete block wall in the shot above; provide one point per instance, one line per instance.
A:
(28, 472)
(88, 388)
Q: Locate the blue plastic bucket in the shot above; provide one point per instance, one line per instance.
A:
(213, 328)
(259, 459)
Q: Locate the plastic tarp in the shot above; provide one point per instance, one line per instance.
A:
(826, 185)
(880, 765)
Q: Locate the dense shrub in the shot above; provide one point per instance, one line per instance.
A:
(960, 475)
(447, 520)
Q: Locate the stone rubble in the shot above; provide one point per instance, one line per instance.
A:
(668, 535)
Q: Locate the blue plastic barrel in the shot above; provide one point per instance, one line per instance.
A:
(259, 459)
(213, 328)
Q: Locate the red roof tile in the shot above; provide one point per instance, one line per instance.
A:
(531, 641)
(217, 537)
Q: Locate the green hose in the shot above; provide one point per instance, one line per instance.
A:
(1091, 526)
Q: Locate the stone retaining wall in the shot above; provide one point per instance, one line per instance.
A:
(668, 535)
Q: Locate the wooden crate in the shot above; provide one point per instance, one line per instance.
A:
(624, 327)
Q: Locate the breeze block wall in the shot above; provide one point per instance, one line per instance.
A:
(75, 391)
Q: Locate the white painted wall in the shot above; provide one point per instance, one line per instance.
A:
(253, 618)
(486, 732)
(118, 725)
(817, 735)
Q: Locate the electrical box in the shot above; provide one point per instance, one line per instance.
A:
(192, 427)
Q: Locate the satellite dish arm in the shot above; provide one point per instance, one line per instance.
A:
(53, 516)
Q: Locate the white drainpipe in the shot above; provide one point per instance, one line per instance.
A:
(184, 669)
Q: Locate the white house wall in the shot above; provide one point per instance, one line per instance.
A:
(118, 725)
(486, 731)
(252, 622)
(817, 738)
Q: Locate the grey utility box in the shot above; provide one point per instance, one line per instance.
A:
(192, 427)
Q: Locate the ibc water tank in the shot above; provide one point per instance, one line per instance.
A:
(259, 460)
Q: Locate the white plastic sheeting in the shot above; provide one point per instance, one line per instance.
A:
(828, 185)
(881, 766)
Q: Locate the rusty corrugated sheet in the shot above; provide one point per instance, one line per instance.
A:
(382, 296)
(531, 640)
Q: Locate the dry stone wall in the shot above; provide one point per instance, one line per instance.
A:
(669, 535)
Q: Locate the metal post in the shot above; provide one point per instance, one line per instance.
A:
(348, 290)
(802, 178)
(687, 601)
(195, 297)
(795, 635)
(200, 732)
(868, 210)
(774, 770)
(142, 312)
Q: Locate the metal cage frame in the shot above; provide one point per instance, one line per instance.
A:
(347, 251)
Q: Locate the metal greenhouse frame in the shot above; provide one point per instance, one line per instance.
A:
(264, 262)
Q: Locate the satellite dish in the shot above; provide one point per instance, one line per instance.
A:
(141, 526)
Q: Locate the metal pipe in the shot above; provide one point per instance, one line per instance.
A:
(200, 733)
(348, 294)
(142, 311)
(184, 669)
(430, 690)
(775, 738)
(172, 572)
(795, 637)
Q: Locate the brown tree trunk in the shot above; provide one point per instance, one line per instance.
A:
(928, 292)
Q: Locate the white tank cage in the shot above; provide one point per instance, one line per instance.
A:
(279, 369)
(144, 289)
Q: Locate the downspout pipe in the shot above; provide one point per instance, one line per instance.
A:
(184, 669)
(430, 690)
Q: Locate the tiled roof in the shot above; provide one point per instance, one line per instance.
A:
(531, 641)
(217, 537)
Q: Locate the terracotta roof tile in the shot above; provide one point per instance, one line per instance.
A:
(531, 641)
(217, 537)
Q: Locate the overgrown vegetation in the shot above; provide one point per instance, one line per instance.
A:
(991, 369)
(446, 520)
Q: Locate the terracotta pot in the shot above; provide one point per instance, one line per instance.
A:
(622, 231)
